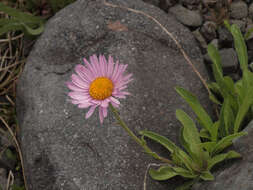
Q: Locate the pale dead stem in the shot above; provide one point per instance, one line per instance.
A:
(10, 180)
(146, 173)
(18, 149)
(169, 34)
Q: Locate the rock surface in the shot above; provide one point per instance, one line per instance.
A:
(239, 9)
(229, 59)
(62, 150)
(186, 16)
(240, 174)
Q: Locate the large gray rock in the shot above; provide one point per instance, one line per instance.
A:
(62, 150)
(238, 175)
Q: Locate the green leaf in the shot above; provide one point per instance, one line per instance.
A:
(15, 187)
(204, 134)
(240, 47)
(248, 33)
(183, 142)
(213, 98)
(19, 14)
(191, 136)
(35, 31)
(184, 173)
(163, 173)
(208, 146)
(227, 25)
(207, 176)
(190, 131)
(215, 57)
(226, 141)
(220, 157)
(239, 91)
(169, 145)
(247, 100)
(229, 117)
(29, 24)
(187, 185)
(197, 108)
(10, 155)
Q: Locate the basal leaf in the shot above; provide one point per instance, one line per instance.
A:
(187, 185)
(190, 131)
(169, 145)
(247, 100)
(184, 173)
(220, 157)
(207, 176)
(229, 117)
(248, 33)
(208, 146)
(191, 136)
(204, 134)
(240, 47)
(225, 142)
(197, 108)
(163, 173)
(215, 57)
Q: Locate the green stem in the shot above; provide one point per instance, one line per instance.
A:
(135, 138)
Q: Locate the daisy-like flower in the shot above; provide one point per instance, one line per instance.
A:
(98, 83)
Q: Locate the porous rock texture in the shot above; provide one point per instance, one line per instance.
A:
(62, 150)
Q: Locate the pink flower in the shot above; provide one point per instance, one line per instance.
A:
(97, 84)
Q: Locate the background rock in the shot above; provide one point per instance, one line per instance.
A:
(186, 16)
(62, 150)
(229, 59)
(238, 9)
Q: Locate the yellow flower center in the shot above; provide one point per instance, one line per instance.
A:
(101, 88)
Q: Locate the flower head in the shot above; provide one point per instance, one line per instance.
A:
(98, 83)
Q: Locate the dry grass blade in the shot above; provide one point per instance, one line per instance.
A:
(187, 58)
(12, 61)
(10, 180)
(17, 148)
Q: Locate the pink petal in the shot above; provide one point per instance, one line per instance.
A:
(122, 83)
(95, 64)
(84, 105)
(75, 101)
(120, 96)
(90, 112)
(87, 73)
(101, 117)
(78, 70)
(110, 66)
(114, 100)
(90, 67)
(104, 103)
(115, 105)
(105, 65)
(78, 95)
(120, 72)
(105, 112)
(115, 71)
(79, 82)
(73, 87)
